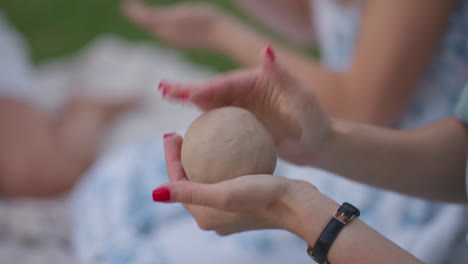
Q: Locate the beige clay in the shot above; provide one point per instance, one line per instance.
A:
(226, 143)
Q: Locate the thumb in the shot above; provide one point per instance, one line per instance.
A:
(240, 194)
(186, 192)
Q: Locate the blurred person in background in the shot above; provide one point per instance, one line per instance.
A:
(374, 54)
(43, 154)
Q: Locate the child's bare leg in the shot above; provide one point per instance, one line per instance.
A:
(43, 157)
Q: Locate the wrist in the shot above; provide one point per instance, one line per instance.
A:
(309, 211)
(329, 154)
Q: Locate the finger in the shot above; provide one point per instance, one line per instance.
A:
(245, 193)
(189, 193)
(212, 219)
(217, 92)
(138, 12)
(172, 151)
(224, 223)
(174, 91)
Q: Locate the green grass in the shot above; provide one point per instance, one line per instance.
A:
(56, 28)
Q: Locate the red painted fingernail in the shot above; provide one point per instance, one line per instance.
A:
(270, 53)
(164, 86)
(168, 135)
(161, 195)
(161, 85)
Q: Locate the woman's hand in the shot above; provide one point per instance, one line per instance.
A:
(266, 201)
(187, 26)
(237, 205)
(283, 104)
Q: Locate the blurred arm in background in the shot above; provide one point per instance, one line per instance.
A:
(290, 19)
(396, 42)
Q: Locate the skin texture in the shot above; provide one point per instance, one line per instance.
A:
(226, 143)
(290, 19)
(43, 156)
(283, 104)
(428, 162)
(255, 202)
(396, 42)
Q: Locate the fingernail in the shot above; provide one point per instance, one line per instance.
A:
(269, 51)
(168, 135)
(162, 84)
(161, 195)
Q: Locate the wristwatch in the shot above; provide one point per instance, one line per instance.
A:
(345, 214)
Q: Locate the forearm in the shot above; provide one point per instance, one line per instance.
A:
(428, 162)
(289, 18)
(356, 243)
(392, 53)
(333, 89)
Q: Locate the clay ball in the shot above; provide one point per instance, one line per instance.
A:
(226, 143)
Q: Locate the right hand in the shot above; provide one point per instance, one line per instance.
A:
(287, 108)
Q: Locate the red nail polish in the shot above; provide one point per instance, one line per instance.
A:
(270, 53)
(163, 84)
(168, 135)
(165, 90)
(161, 195)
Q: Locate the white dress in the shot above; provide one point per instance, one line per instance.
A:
(16, 75)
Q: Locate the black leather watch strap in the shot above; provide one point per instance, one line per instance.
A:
(341, 217)
(324, 242)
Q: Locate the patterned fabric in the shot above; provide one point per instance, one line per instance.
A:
(337, 27)
(116, 220)
(402, 219)
(461, 112)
